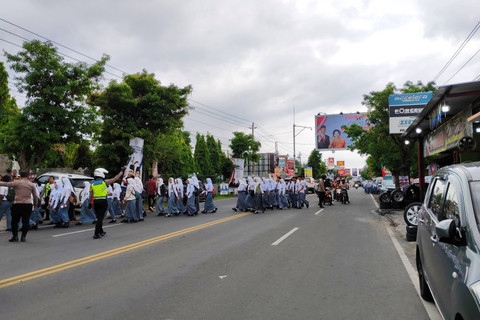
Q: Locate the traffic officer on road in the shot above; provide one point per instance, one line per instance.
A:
(98, 193)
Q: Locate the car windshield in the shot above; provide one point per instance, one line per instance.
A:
(78, 183)
(475, 189)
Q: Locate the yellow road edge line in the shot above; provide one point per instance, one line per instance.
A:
(74, 263)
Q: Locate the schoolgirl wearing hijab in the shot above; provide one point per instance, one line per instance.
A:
(86, 214)
(64, 203)
(130, 199)
(273, 193)
(265, 185)
(138, 186)
(282, 199)
(242, 194)
(180, 192)
(161, 194)
(191, 207)
(197, 192)
(172, 198)
(250, 197)
(259, 196)
(53, 203)
(117, 191)
(209, 206)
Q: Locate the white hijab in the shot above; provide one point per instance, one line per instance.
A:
(138, 185)
(209, 185)
(86, 192)
(171, 187)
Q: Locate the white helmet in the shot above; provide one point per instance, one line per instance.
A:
(100, 173)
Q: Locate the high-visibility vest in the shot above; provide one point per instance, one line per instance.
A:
(99, 189)
(47, 190)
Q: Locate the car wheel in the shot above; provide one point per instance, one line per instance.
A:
(397, 196)
(385, 205)
(410, 214)
(411, 229)
(425, 292)
(411, 237)
(412, 193)
(385, 197)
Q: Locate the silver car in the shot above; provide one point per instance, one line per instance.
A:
(448, 242)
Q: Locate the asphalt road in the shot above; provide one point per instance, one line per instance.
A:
(338, 263)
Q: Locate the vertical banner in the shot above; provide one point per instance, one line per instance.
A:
(354, 172)
(238, 170)
(308, 172)
(136, 159)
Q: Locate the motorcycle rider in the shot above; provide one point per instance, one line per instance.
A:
(321, 191)
(344, 187)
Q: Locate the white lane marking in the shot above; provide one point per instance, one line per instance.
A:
(80, 231)
(316, 213)
(276, 243)
(412, 273)
(373, 199)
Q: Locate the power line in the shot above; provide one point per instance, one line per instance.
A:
(231, 115)
(463, 66)
(475, 29)
(61, 45)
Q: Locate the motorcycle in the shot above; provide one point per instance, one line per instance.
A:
(344, 196)
(328, 197)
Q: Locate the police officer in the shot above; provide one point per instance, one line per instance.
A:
(99, 192)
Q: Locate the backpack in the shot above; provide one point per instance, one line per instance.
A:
(11, 194)
(196, 192)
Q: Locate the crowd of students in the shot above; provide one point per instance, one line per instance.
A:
(257, 194)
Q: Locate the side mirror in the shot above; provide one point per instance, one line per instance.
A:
(448, 232)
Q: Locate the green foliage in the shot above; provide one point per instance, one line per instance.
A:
(83, 157)
(215, 154)
(139, 106)
(318, 166)
(245, 147)
(202, 157)
(174, 155)
(56, 109)
(383, 148)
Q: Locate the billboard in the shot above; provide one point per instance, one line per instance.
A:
(341, 164)
(331, 163)
(329, 133)
(308, 172)
(404, 109)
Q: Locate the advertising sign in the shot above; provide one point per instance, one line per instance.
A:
(341, 164)
(354, 172)
(329, 133)
(331, 162)
(404, 108)
(238, 169)
(347, 172)
(308, 172)
(282, 162)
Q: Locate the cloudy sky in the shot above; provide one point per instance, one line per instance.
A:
(256, 61)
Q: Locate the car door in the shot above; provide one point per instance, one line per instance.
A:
(428, 244)
(448, 258)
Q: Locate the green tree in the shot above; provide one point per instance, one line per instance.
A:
(174, 155)
(215, 154)
(9, 114)
(245, 147)
(202, 157)
(318, 166)
(83, 157)
(139, 106)
(385, 149)
(56, 109)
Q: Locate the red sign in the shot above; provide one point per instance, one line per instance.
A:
(331, 162)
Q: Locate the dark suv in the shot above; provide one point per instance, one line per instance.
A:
(448, 242)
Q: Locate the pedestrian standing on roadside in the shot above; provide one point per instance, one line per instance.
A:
(138, 185)
(151, 187)
(110, 205)
(282, 195)
(22, 205)
(45, 194)
(162, 193)
(250, 197)
(98, 192)
(321, 191)
(209, 206)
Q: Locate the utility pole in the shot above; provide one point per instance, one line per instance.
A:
(253, 137)
(294, 135)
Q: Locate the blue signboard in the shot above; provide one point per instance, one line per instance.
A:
(419, 98)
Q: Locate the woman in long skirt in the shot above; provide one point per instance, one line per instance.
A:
(191, 207)
(130, 199)
(86, 214)
(180, 191)
(161, 194)
(172, 198)
(209, 206)
(242, 194)
(197, 192)
(259, 196)
(138, 185)
(65, 203)
(282, 199)
(250, 197)
(117, 191)
(273, 193)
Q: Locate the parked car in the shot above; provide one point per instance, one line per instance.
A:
(76, 180)
(311, 184)
(448, 242)
(387, 185)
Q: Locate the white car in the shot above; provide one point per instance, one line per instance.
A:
(76, 180)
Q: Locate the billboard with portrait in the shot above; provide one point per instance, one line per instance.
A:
(329, 133)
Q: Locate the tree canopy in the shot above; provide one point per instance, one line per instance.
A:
(318, 166)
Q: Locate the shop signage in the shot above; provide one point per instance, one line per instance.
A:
(404, 108)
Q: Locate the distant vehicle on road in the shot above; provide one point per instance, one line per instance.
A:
(311, 184)
(448, 242)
